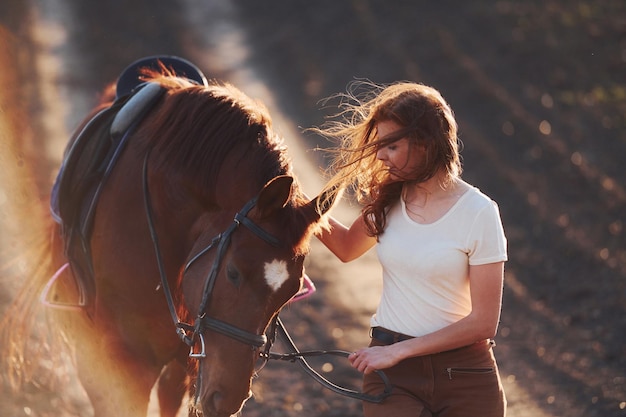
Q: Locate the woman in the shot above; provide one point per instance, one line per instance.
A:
(442, 248)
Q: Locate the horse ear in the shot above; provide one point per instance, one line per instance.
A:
(274, 195)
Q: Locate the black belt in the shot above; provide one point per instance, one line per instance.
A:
(388, 337)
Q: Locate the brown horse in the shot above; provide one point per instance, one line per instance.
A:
(184, 230)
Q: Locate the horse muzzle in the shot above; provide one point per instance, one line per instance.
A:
(222, 403)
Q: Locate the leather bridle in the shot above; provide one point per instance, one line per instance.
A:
(189, 332)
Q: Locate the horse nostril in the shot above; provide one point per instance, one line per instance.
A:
(216, 399)
(221, 405)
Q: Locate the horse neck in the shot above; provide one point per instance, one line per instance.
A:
(239, 181)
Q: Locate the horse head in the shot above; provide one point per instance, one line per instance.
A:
(261, 270)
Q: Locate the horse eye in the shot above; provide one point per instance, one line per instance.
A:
(233, 275)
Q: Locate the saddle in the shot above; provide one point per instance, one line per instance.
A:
(90, 158)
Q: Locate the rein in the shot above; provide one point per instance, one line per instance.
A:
(296, 355)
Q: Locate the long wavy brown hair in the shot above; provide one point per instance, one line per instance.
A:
(425, 118)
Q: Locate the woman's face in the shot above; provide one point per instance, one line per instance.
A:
(400, 157)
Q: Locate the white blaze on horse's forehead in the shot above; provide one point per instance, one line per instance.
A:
(276, 273)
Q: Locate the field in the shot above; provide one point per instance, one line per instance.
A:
(539, 91)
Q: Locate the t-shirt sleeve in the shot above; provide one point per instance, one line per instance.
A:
(486, 240)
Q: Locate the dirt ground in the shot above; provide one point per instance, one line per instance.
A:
(539, 90)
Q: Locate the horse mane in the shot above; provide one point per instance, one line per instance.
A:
(196, 128)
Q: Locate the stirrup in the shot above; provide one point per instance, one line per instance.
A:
(43, 298)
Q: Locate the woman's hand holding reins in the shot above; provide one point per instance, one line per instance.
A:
(375, 358)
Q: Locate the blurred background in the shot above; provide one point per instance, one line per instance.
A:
(539, 90)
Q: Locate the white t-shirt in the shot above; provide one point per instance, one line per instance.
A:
(426, 266)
